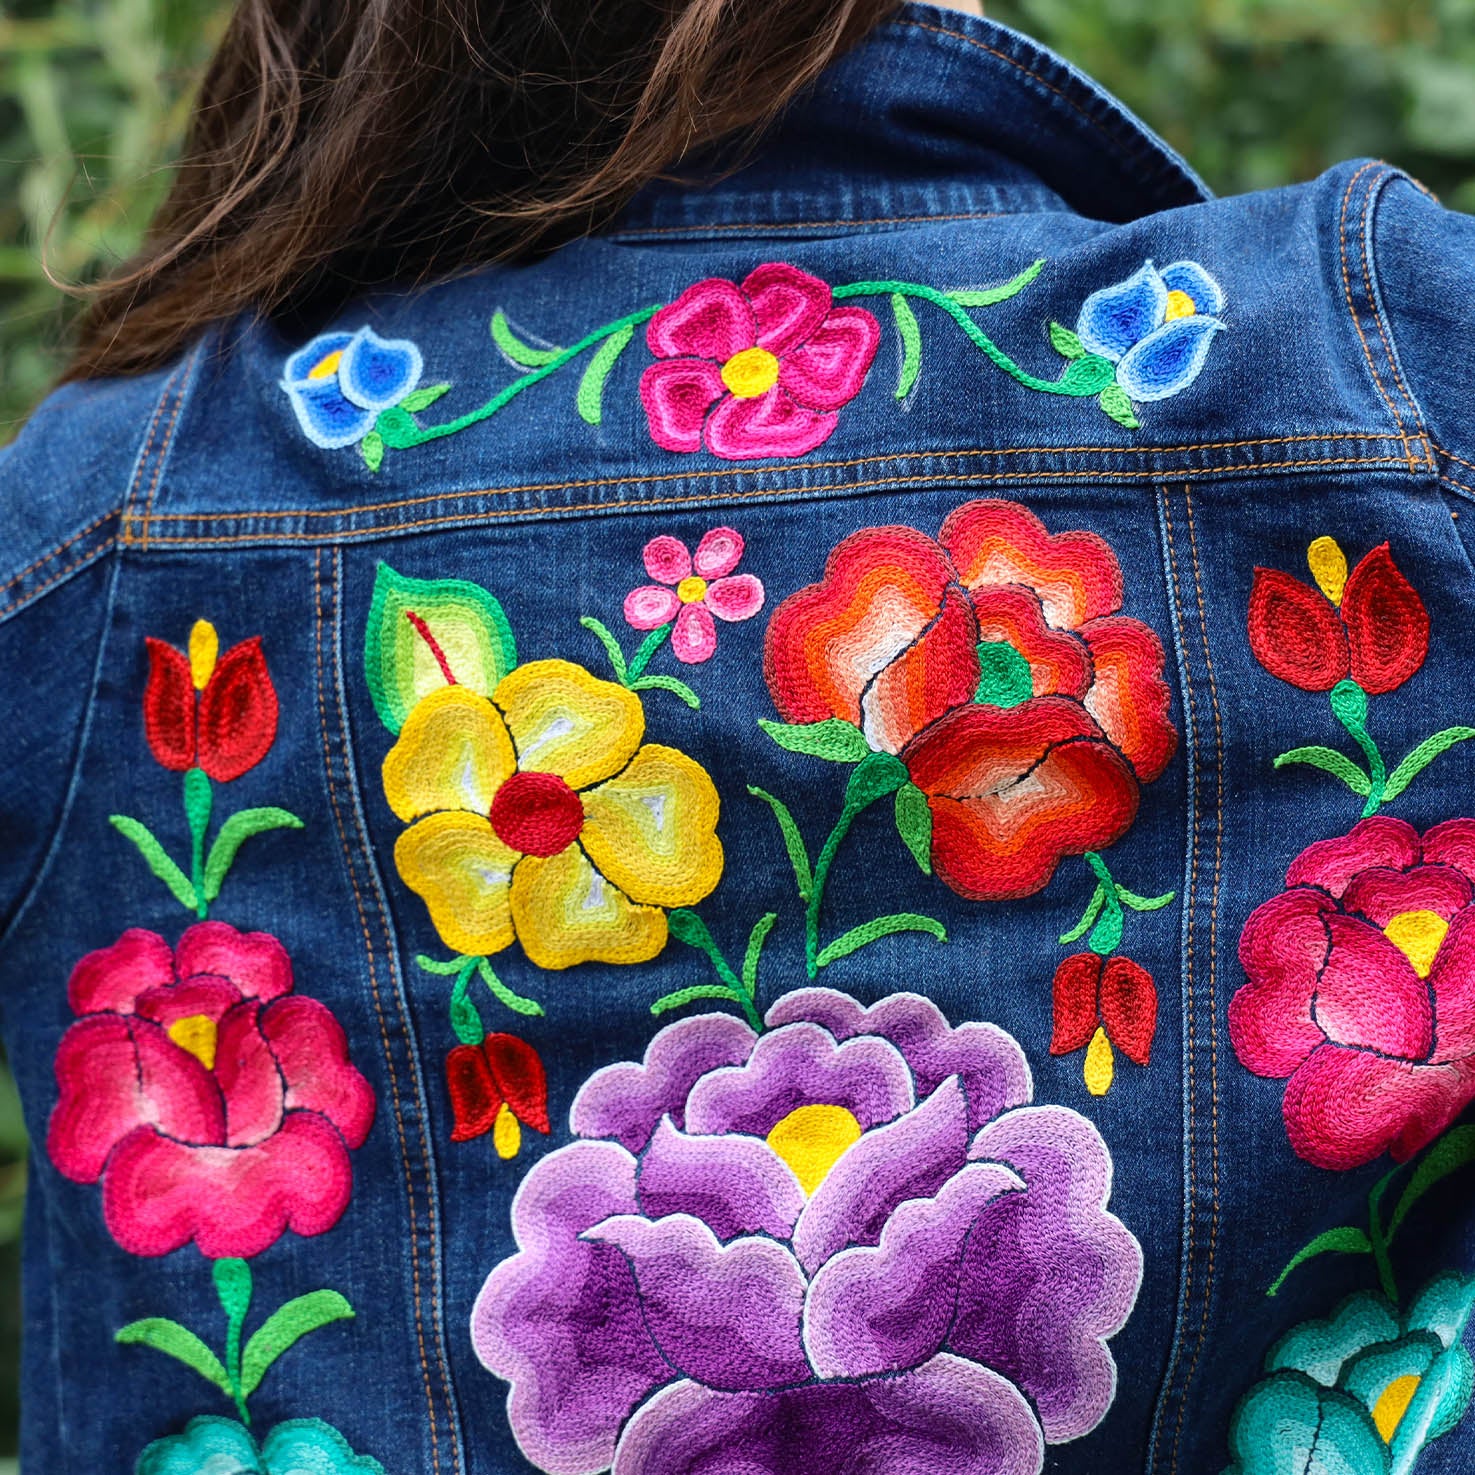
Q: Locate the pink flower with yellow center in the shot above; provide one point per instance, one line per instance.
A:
(538, 814)
(757, 369)
(692, 590)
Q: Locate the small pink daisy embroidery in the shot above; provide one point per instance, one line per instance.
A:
(757, 369)
(692, 590)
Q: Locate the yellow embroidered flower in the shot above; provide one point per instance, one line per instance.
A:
(539, 815)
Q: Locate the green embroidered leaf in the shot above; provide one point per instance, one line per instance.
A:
(1339, 765)
(684, 996)
(289, 1323)
(1116, 404)
(1143, 903)
(466, 629)
(990, 295)
(1066, 343)
(648, 647)
(869, 932)
(371, 448)
(756, 938)
(234, 833)
(1089, 375)
(465, 1020)
(911, 344)
(1088, 919)
(590, 398)
(397, 428)
(423, 398)
(158, 860)
(1454, 1150)
(444, 967)
(602, 634)
(667, 683)
(522, 354)
(840, 742)
(1347, 1240)
(914, 824)
(1004, 677)
(1106, 935)
(689, 928)
(1421, 757)
(793, 840)
(178, 1342)
(519, 1005)
(877, 775)
(232, 1278)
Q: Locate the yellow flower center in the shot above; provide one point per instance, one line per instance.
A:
(1180, 305)
(1392, 1404)
(1328, 566)
(506, 1133)
(750, 373)
(1417, 935)
(1100, 1064)
(204, 646)
(196, 1033)
(325, 368)
(692, 590)
(811, 1140)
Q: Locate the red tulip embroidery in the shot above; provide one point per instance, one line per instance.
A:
(209, 717)
(1101, 1003)
(1355, 635)
(498, 1086)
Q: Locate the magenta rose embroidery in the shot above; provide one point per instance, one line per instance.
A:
(213, 1103)
(850, 1242)
(1362, 990)
(760, 369)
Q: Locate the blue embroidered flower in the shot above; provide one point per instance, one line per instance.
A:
(216, 1446)
(340, 382)
(1155, 327)
(1363, 1392)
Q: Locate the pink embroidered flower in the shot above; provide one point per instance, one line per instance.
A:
(1362, 990)
(692, 590)
(755, 370)
(213, 1104)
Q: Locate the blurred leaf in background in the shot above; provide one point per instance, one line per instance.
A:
(93, 99)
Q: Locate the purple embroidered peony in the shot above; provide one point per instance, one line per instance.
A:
(847, 1243)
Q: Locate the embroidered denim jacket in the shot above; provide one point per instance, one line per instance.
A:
(830, 832)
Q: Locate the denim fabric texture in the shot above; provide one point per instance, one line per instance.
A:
(950, 645)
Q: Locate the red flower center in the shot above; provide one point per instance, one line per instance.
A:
(537, 813)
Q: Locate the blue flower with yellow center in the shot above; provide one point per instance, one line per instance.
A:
(1155, 327)
(214, 1446)
(1363, 1392)
(339, 383)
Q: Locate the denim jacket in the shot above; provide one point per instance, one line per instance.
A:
(830, 832)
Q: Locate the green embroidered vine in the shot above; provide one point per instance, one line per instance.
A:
(632, 673)
(465, 1015)
(240, 1373)
(734, 988)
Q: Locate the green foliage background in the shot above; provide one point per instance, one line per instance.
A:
(1256, 93)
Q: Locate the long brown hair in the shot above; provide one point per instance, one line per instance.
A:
(336, 144)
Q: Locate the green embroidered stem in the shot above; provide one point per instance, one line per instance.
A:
(504, 995)
(465, 1021)
(1378, 1238)
(199, 799)
(465, 1017)
(1104, 917)
(1082, 378)
(233, 1286)
(1349, 707)
(401, 432)
(689, 928)
(648, 647)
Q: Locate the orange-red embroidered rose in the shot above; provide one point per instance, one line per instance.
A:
(993, 661)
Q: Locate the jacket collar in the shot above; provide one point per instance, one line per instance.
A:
(935, 115)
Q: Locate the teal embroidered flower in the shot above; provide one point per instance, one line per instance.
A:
(1363, 1392)
(214, 1446)
(1156, 327)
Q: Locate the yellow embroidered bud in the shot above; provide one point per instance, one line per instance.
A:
(1180, 305)
(204, 646)
(506, 1134)
(1100, 1064)
(1328, 567)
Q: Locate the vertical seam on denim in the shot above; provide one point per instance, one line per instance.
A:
(1385, 329)
(1213, 997)
(1357, 320)
(75, 779)
(375, 887)
(186, 378)
(1174, 592)
(317, 585)
(125, 532)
